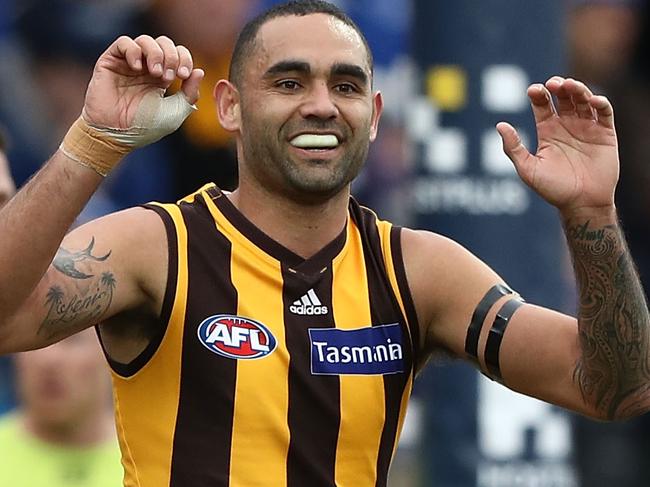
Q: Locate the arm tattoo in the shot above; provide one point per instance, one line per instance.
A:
(85, 299)
(82, 305)
(613, 372)
(64, 260)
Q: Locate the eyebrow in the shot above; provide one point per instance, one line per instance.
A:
(287, 67)
(339, 69)
(351, 70)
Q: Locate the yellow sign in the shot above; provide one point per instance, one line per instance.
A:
(447, 87)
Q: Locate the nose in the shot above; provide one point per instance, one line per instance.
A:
(319, 103)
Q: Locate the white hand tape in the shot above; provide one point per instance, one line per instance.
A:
(157, 116)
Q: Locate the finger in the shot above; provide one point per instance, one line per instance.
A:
(126, 48)
(581, 95)
(185, 62)
(557, 86)
(515, 149)
(190, 86)
(152, 53)
(170, 57)
(604, 110)
(541, 102)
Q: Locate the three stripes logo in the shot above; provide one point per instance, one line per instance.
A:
(308, 305)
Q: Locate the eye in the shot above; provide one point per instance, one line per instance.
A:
(288, 84)
(346, 88)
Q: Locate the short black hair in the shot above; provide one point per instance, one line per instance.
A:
(248, 35)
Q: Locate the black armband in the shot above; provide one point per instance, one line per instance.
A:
(495, 293)
(495, 337)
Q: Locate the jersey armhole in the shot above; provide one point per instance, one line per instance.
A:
(134, 366)
(405, 292)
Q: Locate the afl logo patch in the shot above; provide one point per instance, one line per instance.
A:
(236, 337)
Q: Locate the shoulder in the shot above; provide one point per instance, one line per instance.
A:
(136, 231)
(436, 266)
(8, 427)
(425, 251)
(138, 221)
(12, 437)
(446, 282)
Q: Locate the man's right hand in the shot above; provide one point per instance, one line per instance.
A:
(129, 82)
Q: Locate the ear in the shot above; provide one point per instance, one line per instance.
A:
(377, 108)
(227, 100)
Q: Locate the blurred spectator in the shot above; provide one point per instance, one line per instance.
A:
(62, 434)
(55, 44)
(604, 45)
(202, 150)
(603, 36)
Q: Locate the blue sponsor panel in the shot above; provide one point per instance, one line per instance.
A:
(375, 350)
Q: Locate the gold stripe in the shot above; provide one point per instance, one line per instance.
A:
(260, 438)
(384, 233)
(191, 197)
(234, 235)
(362, 406)
(147, 402)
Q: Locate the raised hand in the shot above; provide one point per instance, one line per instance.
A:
(576, 165)
(132, 70)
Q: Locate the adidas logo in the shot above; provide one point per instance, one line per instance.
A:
(308, 305)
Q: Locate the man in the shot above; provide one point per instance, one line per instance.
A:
(270, 336)
(62, 433)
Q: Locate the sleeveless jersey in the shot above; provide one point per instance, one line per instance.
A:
(270, 369)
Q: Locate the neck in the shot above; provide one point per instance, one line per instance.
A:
(302, 228)
(78, 432)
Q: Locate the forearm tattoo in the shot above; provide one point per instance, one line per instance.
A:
(613, 372)
(82, 299)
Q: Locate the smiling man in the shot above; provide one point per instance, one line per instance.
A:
(270, 336)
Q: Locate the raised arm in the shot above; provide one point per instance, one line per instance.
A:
(598, 364)
(124, 108)
(576, 169)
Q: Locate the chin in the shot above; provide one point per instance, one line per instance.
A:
(313, 193)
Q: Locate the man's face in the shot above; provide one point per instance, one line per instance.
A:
(308, 112)
(64, 382)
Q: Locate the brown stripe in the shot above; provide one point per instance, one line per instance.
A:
(202, 443)
(314, 414)
(407, 299)
(384, 309)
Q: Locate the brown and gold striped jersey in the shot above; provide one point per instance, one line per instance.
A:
(270, 369)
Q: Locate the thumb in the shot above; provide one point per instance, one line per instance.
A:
(513, 146)
(190, 86)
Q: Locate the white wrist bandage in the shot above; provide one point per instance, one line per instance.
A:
(101, 148)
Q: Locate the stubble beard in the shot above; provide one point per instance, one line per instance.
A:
(303, 181)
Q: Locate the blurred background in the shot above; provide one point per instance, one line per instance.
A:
(449, 72)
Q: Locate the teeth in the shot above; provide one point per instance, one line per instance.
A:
(315, 141)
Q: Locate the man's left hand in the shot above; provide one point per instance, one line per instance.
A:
(576, 166)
